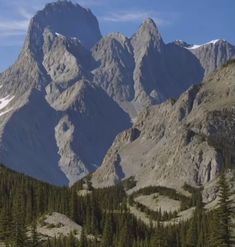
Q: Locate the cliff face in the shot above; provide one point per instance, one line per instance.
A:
(71, 91)
(54, 120)
(189, 140)
(213, 54)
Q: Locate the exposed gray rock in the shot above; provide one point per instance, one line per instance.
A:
(213, 54)
(187, 141)
(142, 71)
(71, 92)
(114, 74)
(52, 120)
(67, 19)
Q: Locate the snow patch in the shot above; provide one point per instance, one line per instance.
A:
(1, 86)
(72, 38)
(133, 120)
(5, 101)
(213, 42)
(59, 35)
(5, 112)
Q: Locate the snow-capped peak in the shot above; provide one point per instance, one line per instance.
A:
(213, 42)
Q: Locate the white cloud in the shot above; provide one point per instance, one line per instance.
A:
(138, 16)
(13, 26)
(90, 3)
(25, 13)
(16, 26)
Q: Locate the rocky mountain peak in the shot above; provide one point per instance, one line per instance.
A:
(198, 124)
(65, 18)
(85, 89)
(213, 54)
(149, 35)
(181, 43)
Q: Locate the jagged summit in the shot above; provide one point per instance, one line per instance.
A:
(68, 19)
(148, 33)
(212, 42)
(187, 141)
(213, 54)
(181, 43)
(71, 91)
(149, 22)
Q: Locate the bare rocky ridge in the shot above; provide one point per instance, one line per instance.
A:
(213, 54)
(57, 225)
(56, 121)
(189, 140)
(71, 91)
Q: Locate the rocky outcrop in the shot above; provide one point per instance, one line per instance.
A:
(54, 120)
(187, 141)
(213, 54)
(71, 92)
(114, 58)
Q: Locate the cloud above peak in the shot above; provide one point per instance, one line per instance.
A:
(15, 26)
(161, 19)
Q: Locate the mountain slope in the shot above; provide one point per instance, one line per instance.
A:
(187, 141)
(71, 91)
(213, 54)
(52, 118)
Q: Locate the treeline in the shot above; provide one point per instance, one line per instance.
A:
(186, 202)
(104, 216)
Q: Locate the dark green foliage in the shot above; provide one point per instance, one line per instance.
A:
(221, 235)
(129, 183)
(104, 215)
(230, 61)
(186, 202)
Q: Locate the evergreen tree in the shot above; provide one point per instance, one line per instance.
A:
(34, 235)
(83, 239)
(19, 228)
(71, 241)
(5, 225)
(124, 236)
(224, 214)
(107, 232)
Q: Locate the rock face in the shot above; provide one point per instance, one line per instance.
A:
(67, 19)
(213, 54)
(142, 70)
(189, 140)
(56, 125)
(72, 91)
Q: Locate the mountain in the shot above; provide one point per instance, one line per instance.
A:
(213, 54)
(185, 141)
(71, 91)
(53, 118)
(142, 70)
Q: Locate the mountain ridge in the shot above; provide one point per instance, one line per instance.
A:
(187, 141)
(71, 71)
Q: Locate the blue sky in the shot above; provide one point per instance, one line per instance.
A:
(195, 22)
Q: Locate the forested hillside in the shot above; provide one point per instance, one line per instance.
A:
(105, 217)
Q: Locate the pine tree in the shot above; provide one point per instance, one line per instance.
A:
(34, 235)
(221, 229)
(74, 205)
(107, 232)
(83, 239)
(19, 229)
(71, 241)
(158, 239)
(5, 225)
(124, 236)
